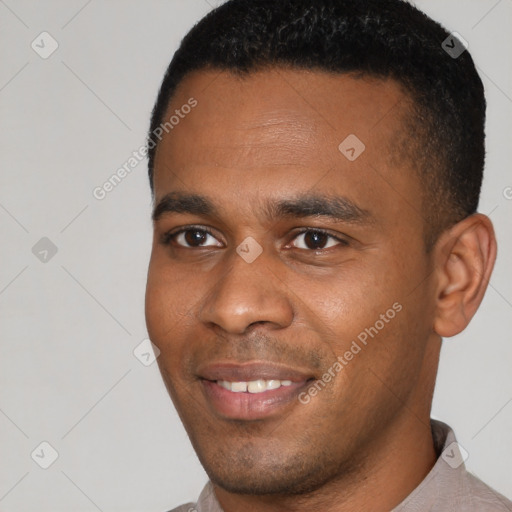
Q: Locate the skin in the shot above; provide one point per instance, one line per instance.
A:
(364, 441)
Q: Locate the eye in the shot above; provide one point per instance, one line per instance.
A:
(314, 239)
(191, 237)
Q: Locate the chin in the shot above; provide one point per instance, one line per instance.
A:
(276, 473)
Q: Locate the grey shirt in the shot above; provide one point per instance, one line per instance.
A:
(448, 487)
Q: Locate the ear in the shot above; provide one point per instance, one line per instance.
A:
(465, 256)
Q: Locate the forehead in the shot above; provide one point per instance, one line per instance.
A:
(280, 130)
(293, 114)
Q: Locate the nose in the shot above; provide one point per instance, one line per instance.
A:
(245, 294)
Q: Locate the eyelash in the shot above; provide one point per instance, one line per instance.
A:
(170, 236)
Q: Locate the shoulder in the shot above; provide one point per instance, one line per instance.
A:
(481, 497)
(187, 507)
(207, 502)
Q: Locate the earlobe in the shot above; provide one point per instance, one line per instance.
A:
(465, 258)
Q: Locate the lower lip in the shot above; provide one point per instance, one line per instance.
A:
(251, 406)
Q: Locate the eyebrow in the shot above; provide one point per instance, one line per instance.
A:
(337, 208)
(177, 202)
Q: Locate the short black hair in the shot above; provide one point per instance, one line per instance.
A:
(368, 38)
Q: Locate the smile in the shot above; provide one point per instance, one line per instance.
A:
(253, 386)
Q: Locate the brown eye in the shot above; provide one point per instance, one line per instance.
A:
(315, 240)
(192, 238)
(195, 237)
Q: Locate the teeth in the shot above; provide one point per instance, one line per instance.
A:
(256, 386)
(238, 387)
(224, 384)
(253, 386)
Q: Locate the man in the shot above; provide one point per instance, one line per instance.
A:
(316, 167)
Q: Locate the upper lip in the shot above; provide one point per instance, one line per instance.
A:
(254, 370)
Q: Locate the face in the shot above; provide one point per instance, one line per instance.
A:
(284, 263)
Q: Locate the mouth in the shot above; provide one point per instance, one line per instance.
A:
(252, 391)
(253, 386)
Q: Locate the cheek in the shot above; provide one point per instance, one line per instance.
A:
(366, 314)
(157, 317)
(386, 337)
(168, 302)
(167, 321)
(346, 301)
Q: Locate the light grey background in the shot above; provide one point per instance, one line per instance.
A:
(69, 326)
